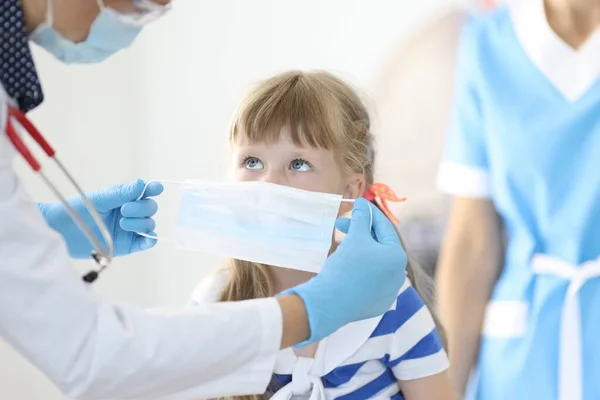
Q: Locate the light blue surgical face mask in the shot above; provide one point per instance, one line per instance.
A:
(109, 33)
(256, 221)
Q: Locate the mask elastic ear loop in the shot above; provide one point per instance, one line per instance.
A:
(158, 238)
(141, 196)
(50, 12)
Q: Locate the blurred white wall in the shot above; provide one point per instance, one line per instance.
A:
(161, 111)
(413, 95)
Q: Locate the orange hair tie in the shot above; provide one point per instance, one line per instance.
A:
(380, 194)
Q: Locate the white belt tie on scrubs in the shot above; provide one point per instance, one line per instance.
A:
(570, 376)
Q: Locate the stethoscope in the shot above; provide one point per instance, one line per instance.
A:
(102, 253)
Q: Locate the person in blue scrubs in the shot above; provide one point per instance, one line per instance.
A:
(519, 273)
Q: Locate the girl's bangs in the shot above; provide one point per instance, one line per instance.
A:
(292, 103)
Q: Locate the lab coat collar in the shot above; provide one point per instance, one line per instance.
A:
(572, 72)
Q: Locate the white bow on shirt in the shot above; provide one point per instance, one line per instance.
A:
(304, 385)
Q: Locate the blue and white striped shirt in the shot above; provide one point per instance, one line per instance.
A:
(362, 360)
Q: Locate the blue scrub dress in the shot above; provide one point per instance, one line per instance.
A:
(525, 133)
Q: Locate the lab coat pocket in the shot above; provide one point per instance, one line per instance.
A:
(505, 319)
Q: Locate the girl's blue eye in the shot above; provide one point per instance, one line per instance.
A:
(253, 163)
(300, 165)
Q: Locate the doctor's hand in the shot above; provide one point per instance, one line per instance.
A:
(120, 210)
(361, 279)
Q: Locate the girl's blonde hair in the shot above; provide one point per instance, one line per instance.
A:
(320, 110)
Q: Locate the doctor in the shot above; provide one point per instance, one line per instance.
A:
(93, 349)
(523, 158)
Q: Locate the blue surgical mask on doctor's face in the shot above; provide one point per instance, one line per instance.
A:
(109, 33)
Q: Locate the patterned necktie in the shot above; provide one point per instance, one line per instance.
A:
(17, 70)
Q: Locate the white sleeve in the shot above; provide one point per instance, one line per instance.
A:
(92, 349)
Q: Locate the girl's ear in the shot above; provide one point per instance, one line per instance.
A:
(355, 188)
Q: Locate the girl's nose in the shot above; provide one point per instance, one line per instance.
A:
(274, 177)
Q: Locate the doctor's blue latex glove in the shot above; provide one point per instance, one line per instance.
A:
(122, 213)
(361, 279)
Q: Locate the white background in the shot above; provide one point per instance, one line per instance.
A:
(161, 111)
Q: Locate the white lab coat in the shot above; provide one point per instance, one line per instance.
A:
(93, 349)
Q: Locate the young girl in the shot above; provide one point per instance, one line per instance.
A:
(311, 131)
